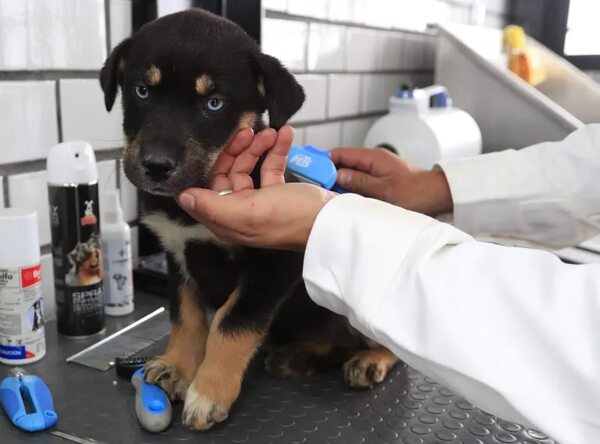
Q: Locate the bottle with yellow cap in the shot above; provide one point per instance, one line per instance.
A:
(522, 60)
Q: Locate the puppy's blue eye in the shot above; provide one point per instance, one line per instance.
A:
(214, 103)
(141, 91)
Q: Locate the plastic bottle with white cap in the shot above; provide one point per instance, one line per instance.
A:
(22, 338)
(116, 246)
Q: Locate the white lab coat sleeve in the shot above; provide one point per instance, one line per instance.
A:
(546, 193)
(514, 330)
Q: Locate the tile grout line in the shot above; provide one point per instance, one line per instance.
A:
(5, 192)
(107, 25)
(48, 74)
(58, 111)
(301, 18)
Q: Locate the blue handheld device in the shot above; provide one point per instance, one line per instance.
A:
(27, 401)
(310, 164)
(152, 405)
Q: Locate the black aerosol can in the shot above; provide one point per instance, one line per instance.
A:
(76, 244)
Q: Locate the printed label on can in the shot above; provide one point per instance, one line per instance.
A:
(77, 257)
(118, 282)
(21, 315)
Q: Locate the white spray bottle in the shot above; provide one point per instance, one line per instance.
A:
(116, 245)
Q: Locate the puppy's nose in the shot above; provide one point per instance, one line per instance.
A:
(158, 167)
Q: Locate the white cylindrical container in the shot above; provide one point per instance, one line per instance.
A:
(424, 128)
(22, 339)
(118, 272)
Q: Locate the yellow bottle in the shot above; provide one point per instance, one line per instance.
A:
(522, 61)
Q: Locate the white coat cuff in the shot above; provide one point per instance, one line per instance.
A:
(484, 190)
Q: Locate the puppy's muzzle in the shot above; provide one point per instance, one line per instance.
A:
(158, 167)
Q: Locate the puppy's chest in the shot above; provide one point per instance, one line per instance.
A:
(197, 251)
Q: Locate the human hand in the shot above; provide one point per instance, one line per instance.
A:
(278, 215)
(380, 174)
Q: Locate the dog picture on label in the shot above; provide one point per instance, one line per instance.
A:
(86, 263)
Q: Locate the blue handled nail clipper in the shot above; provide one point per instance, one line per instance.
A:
(27, 401)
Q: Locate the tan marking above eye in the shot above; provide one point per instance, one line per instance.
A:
(204, 83)
(152, 76)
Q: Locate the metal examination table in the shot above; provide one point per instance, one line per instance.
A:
(408, 408)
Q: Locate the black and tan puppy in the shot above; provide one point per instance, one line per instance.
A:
(189, 82)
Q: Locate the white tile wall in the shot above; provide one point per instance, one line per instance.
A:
(14, 35)
(309, 8)
(28, 119)
(315, 89)
(383, 13)
(85, 117)
(285, 40)
(354, 131)
(107, 181)
(326, 47)
(275, 5)
(129, 198)
(362, 49)
(48, 287)
(340, 10)
(30, 190)
(376, 90)
(344, 95)
(1, 192)
(120, 21)
(299, 136)
(324, 136)
(165, 7)
(390, 51)
(52, 34)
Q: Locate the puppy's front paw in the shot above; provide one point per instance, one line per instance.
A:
(201, 412)
(365, 369)
(165, 374)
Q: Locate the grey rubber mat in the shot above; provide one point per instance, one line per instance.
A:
(407, 408)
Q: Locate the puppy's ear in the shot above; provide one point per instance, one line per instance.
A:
(111, 74)
(283, 94)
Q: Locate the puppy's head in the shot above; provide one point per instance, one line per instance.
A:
(189, 81)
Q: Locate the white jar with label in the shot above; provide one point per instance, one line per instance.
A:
(22, 338)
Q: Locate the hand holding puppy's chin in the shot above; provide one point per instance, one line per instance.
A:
(279, 216)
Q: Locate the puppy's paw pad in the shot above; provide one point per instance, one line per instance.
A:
(200, 412)
(361, 372)
(160, 372)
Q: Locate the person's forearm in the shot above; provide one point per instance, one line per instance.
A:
(513, 330)
(546, 193)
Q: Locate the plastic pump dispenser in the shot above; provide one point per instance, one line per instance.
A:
(118, 274)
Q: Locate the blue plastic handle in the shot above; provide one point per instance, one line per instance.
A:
(313, 165)
(28, 392)
(152, 405)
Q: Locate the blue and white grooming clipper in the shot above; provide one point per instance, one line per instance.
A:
(152, 405)
(27, 401)
(312, 165)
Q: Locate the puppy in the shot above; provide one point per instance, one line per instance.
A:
(189, 82)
